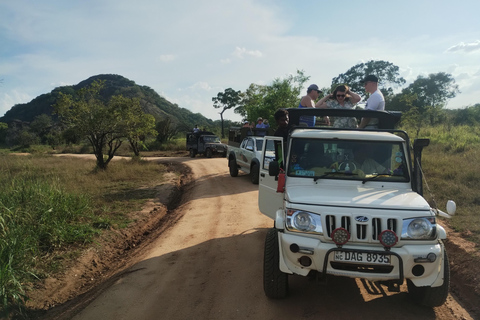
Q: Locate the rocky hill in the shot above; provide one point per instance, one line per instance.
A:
(150, 101)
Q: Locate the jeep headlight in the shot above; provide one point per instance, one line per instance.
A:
(303, 221)
(424, 228)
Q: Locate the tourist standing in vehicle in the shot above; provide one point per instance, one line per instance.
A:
(266, 125)
(308, 101)
(281, 117)
(375, 102)
(260, 125)
(341, 98)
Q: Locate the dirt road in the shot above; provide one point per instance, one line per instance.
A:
(209, 266)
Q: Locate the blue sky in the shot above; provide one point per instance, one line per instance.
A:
(189, 50)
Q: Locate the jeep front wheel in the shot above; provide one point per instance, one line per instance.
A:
(232, 165)
(208, 153)
(432, 296)
(275, 282)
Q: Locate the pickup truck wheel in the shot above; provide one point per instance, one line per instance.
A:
(275, 282)
(192, 153)
(232, 164)
(432, 296)
(208, 153)
(255, 172)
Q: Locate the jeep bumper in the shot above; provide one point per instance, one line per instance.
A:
(300, 254)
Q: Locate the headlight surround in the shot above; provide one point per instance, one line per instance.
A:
(303, 221)
(422, 228)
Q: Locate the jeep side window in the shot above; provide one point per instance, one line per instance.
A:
(249, 145)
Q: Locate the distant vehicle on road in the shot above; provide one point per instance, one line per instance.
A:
(245, 151)
(205, 142)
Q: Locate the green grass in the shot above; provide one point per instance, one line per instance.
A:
(451, 171)
(51, 205)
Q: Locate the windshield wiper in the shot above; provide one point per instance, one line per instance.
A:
(326, 174)
(375, 177)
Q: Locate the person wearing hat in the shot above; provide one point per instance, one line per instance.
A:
(259, 123)
(246, 124)
(308, 101)
(375, 102)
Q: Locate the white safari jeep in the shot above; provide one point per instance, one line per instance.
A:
(348, 202)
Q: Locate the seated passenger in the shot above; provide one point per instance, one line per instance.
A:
(367, 164)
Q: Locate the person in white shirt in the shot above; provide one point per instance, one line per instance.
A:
(375, 102)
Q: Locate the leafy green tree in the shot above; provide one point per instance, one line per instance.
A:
(41, 126)
(428, 96)
(139, 126)
(433, 90)
(252, 102)
(226, 100)
(166, 130)
(387, 73)
(466, 116)
(263, 101)
(105, 123)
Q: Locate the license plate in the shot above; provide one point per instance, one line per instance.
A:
(361, 257)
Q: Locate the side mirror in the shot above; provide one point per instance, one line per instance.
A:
(273, 168)
(451, 207)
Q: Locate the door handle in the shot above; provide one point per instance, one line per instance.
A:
(262, 175)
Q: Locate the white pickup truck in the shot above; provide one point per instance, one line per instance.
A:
(244, 151)
(348, 202)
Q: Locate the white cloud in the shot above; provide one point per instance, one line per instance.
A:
(242, 52)
(7, 100)
(166, 57)
(202, 85)
(465, 47)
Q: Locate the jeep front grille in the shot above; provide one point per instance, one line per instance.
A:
(364, 231)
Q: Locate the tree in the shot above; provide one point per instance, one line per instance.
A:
(428, 96)
(226, 100)
(387, 73)
(166, 130)
(263, 101)
(251, 100)
(139, 126)
(41, 126)
(433, 90)
(104, 123)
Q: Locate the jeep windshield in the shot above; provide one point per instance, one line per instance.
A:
(348, 159)
(211, 139)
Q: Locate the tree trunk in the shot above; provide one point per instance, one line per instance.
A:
(221, 117)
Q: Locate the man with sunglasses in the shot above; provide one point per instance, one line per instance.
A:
(375, 102)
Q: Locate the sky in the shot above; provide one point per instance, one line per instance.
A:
(190, 50)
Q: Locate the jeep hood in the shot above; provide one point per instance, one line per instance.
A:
(358, 197)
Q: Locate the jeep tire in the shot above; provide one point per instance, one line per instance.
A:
(192, 153)
(255, 172)
(208, 153)
(275, 282)
(232, 165)
(432, 296)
